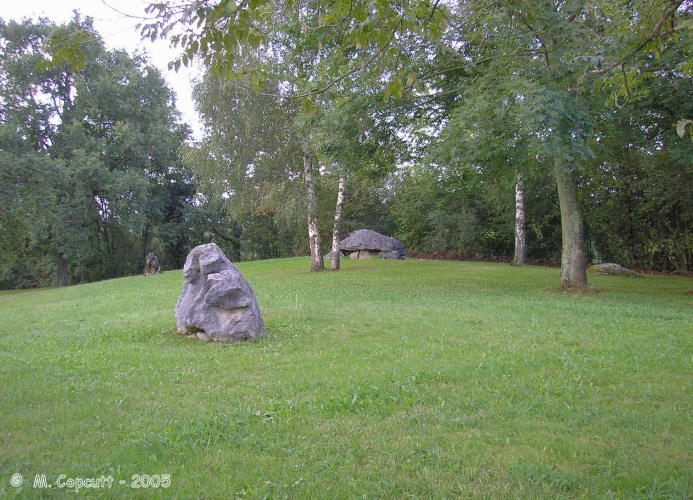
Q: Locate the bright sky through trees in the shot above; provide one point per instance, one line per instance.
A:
(116, 21)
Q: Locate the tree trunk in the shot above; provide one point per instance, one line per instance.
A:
(573, 270)
(146, 236)
(334, 265)
(313, 229)
(63, 270)
(520, 247)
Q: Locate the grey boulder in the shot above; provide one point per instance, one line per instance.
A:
(216, 300)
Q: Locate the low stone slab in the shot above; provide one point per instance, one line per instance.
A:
(217, 303)
(612, 269)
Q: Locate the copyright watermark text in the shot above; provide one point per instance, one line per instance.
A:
(76, 483)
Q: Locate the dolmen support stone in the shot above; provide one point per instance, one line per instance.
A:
(217, 303)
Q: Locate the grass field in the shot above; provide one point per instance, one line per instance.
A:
(389, 379)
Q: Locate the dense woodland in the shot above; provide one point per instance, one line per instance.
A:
(433, 119)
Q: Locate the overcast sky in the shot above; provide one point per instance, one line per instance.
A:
(118, 32)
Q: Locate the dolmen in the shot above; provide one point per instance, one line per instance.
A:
(217, 303)
(367, 244)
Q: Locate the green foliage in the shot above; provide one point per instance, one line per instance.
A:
(323, 42)
(428, 110)
(639, 184)
(531, 83)
(89, 151)
(251, 158)
(467, 212)
(457, 231)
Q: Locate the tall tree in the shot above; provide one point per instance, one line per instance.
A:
(106, 127)
(310, 47)
(358, 137)
(251, 154)
(551, 56)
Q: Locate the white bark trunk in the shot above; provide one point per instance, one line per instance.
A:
(313, 229)
(520, 246)
(336, 236)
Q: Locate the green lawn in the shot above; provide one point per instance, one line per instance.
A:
(427, 379)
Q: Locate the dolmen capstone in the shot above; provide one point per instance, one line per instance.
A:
(216, 303)
(366, 244)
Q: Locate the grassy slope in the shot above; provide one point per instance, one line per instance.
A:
(388, 379)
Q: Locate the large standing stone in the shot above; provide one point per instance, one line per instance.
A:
(216, 299)
(151, 265)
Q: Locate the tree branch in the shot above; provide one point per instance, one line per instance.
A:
(656, 33)
(538, 38)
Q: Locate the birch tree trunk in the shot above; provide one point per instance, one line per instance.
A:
(520, 246)
(313, 229)
(573, 270)
(336, 236)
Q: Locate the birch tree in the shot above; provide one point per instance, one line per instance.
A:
(317, 263)
(520, 243)
(336, 231)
